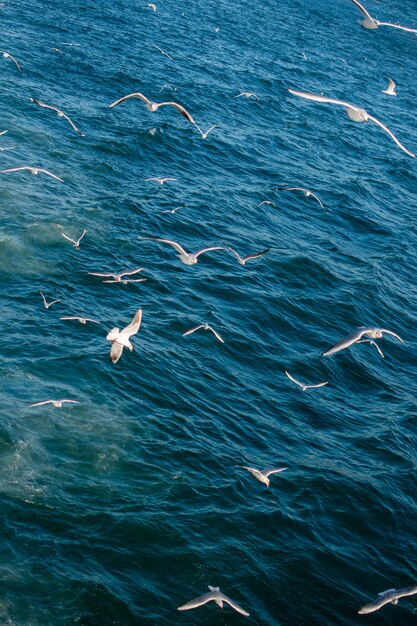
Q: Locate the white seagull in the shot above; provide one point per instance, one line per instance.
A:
(355, 113)
(7, 55)
(32, 170)
(160, 180)
(172, 210)
(58, 112)
(204, 135)
(247, 94)
(154, 106)
(217, 596)
(118, 278)
(162, 51)
(7, 148)
(390, 90)
(152, 6)
(77, 242)
(306, 192)
(82, 320)
(267, 202)
(206, 327)
(302, 385)
(120, 338)
(391, 595)
(189, 258)
(243, 259)
(57, 403)
(371, 331)
(371, 23)
(262, 475)
(3, 132)
(48, 304)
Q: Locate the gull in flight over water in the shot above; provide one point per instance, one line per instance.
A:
(391, 595)
(390, 90)
(262, 475)
(162, 51)
(267, 202)
(118, 278)
(302, 385)
(204, 135)
(243, 259)
(59, 113)
(7, 148)
(247, 94)
(206, 327)
(48, 304)
(355, 113)
(166, 86)
(57, 403)
(152, 6)
(371, 23)
(160, 180)
(120, 338)
(306, 192)
(371, 331)
(217, 596)
(32, 170)
(172, 210)
(77, 242)
(154, 106)
(82, 320)
(7, 55)
(189, 258)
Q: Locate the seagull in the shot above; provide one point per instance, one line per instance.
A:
(189, 258)
(59, 113)
(7, 148)
(391, 595)
(166, 86)
(204, 135)
(390, 90)
(206, 327)
(82, 320)
(32, 170)
(355, 113)
(374, 343)
(48, 304)
(162, 51)
(154, 106)
(371, 23)
(3, 132)
(242, 259)
(306, 192)
(172, 210)
(216, 595)
(118, 278)
(304, 387)
(160, 180)
(76, 243)
(152, 6)
(262, 476)
(57, 403)
(267, 202)
(371, 331)
(7, 55)
(247, 94)
(120, 339)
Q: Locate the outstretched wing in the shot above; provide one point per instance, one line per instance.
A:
(362, 10)
(384, 330)
(233, 604)
(174, 244)
(317, 98)
(192, 330)
(133, 327)
(130, 95)
(270, 471)
(409, 30)
(116, 351)
(179, 108)
(346, 342)
(387, 130)
(197, 254)
(193, 604)
(384, 598)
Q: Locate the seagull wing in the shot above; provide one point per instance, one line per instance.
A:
(318, 199)
(130, 272)
(256, 255)
(72, 123)
(45, 106)
(316, 386)
(233, 604)
(216, 334)
(51, 303)
(294, 380)
(50, 174)
(99, 274)
(384, 598)
(409, 30)
(40, 403)
(113, 334)
(43, 298)
(174, 244)
(193, 604)
(346, 342)
(179, 108)
(192, 330)
(69, 238)
(197, 254)
(387, 130)
(317, 98)
(16, 169)
(130, 95)
(70, 401)
(116, 351)
(407, 591)
(237, 255)
(133, 327)
(252, 470)
(272, 470)
(362, 10)
(384, 330)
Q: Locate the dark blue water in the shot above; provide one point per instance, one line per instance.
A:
(119, 509)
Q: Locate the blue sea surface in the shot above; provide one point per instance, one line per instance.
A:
(119, 509)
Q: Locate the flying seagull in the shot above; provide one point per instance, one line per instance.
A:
(267, 202)
(371, 23)
(371, 331)
(217, 596)
(306, 192)
(77, 242)
(391, 595)
(118, 278)
(262, 475)
(204, 135)
(247, 94)
(242, 259)
(162, 51)
(390, 90)
(355, 113)
(304, 387)
(160, 180)
(57, 403)
(172, 210)
(154, 106)
(82, 320)
(2, 149)
(48, 304)
(189, 258)
(120, 338)
(152, 6)
(7, 55)
(58, 112)
(32, 170)
(206, 327)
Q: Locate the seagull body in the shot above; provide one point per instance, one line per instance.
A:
(77, 242)
(7, 55)
(206, 327)
(56, 403)
(160, 180)
(48, 304)
(118, 278)
(154, 106)
(262, 475)
(306, 192)
(370, 23)
(58, 112)
(391, 595)
(82, 320)
(120, 338)
(32, 170)
(189, 258)
(304, 387)
(243, 259)
(390, 90)
(355, 113)
(217, 596)
(247, 94)
(371, 331)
